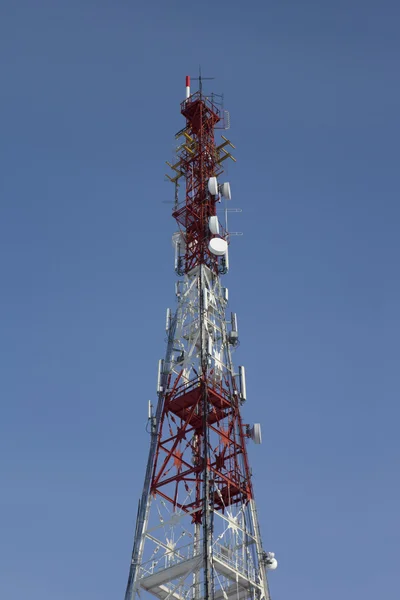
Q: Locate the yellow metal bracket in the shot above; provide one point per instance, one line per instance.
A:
(225, 156)
(225, 143)
(174, 179)
(175, 166)
(187, 136)
(221, 150)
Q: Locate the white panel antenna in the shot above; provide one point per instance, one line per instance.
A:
(242, 381)
(178, 238)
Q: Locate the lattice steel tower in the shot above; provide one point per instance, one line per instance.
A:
(197, 535)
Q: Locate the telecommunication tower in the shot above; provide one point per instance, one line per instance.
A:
(197, 535)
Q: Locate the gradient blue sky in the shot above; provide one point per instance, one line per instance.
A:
(89, 102)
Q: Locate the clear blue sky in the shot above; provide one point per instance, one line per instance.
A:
(89, 105)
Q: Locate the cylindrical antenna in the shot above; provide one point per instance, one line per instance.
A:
(234, 322)
(150, 410)
(168, 320)
(205, 299)
(187, 86)
(242, 380)
(226, 259)
(210, 345)
(177, 253)
(160, 388)
(233, 334)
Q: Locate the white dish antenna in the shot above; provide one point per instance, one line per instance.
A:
(218, 246)
(213, 186)
(271, 566)
(213, 225)
(271, 562)
(255, 433)
(225, 190)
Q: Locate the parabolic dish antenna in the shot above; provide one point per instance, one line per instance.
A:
(218, 246)
(213, 186)
(255, 433)
(225, 190)
(213, 225)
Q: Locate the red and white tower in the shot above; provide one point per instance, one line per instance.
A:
(197, 535)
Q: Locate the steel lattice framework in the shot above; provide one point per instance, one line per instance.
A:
(197, 534)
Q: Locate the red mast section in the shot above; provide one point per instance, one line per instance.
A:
(201, 427)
